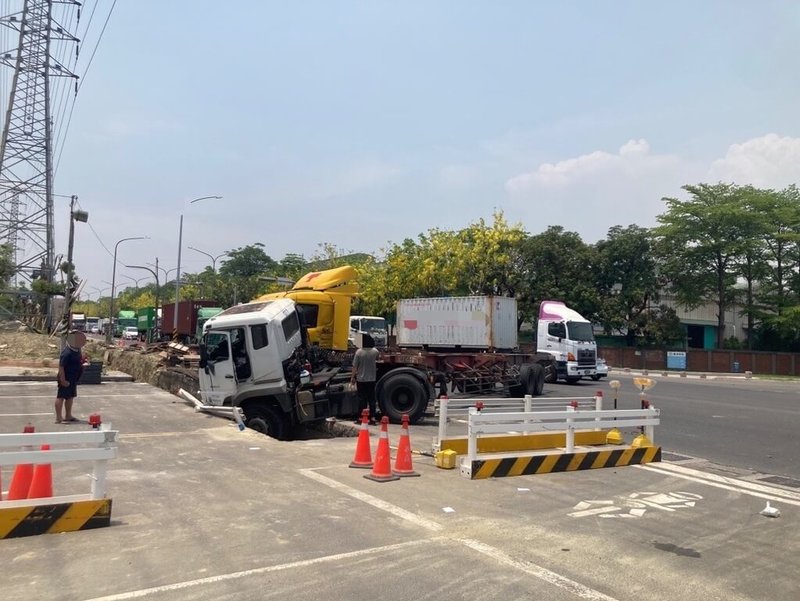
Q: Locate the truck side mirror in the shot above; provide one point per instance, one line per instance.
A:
(203, 356)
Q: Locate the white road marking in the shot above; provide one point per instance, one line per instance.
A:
(501, 557)
(177, 586)
(708, 480)
(562, 582)
(374, 501)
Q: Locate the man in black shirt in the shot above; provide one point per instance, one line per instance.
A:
(70, 366)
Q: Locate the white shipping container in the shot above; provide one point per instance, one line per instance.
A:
(476, 322)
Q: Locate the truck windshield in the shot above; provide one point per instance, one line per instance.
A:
(372, 323)
(580, 330)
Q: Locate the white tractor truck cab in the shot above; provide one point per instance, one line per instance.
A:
(368, 324)
(567, 336)
(253, 356)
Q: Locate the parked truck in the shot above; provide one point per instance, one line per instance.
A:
(284, 358)
(190, 312)
(368, 325)
(147, 324)
(567, 337)
(125, 319)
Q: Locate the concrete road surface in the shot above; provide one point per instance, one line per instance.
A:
(204, 511)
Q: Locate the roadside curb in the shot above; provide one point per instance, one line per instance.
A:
(116, 377)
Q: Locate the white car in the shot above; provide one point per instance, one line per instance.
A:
(602, 369)
(130, 333)
(95, 330)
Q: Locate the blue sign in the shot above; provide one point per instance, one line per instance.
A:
(676, 360)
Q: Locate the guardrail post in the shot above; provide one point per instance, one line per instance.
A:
(650, 431)
(598, 405)
(472, 441)
(570, 430)
(442, 421)
(99, 480)
(528, 406)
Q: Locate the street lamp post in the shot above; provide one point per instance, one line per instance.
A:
(69, 292)
(210, 256)
(155, 275)
(110, 331)
(178, 275)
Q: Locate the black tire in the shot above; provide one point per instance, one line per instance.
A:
(551, 373)
(538, 378)
(573, 379)
(595, 377)
(268, 420)
(403, 394)
(527, 379)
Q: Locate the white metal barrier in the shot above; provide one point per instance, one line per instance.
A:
(456, 410)
(98, 446)
(479, 423)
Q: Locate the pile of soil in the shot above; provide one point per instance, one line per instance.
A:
(24, 347)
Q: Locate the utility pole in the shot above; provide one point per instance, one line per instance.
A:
(72, 281)
(26, 149)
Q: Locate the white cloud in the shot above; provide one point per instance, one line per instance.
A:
(591, 192)
(769, 161)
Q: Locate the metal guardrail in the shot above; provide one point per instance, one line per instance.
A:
(456, 410)
(98, 447)
(568, 421)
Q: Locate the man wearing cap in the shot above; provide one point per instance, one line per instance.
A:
(70, 365)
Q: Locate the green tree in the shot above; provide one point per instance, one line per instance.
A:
(559, 266)
(628, 280)
(701, 242)
(240, 274)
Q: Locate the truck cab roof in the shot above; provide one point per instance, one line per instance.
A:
(251, 313)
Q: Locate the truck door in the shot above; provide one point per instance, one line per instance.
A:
(218, 376)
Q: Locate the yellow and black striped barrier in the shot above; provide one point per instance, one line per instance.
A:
(560, 462)
(30, 520)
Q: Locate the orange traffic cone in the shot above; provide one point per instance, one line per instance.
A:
(382, 470)
(402, 463)
(363, 456)
(42, 482)
(22, 476)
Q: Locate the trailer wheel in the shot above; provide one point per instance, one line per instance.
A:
(527, 379)
(401, 394)
(551, 373)
(267, 420)
(538, 378)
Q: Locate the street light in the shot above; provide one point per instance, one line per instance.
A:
(178, 275)
(155, 275)
(110, 332)
(134, 280)
(70, 294)
(166, 272)
(212, 257)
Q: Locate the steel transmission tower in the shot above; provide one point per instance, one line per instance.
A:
(26, 149)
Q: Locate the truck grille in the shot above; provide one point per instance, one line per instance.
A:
(586, 358)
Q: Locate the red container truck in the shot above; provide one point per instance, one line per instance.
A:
(187, 319)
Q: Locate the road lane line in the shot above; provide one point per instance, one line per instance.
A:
(177, 586)
(743, 491)
(756, 486)
(527, 567)
(562, 582)
(374, 501)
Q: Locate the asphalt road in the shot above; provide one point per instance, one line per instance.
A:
(203, 511)
(749, 424)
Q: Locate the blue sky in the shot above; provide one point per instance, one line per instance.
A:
(363, 123)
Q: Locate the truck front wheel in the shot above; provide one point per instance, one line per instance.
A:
(551, 373)
(403, 394)
(267, 420)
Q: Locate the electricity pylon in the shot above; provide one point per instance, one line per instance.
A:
(26, 149)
